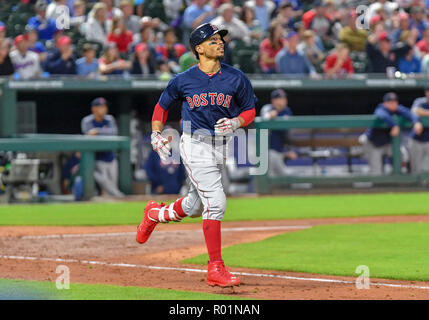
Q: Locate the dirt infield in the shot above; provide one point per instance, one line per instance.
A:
(110, 255)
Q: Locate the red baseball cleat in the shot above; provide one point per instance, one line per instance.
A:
(148, 224)
(217, 275)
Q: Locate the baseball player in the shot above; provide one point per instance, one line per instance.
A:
(419, 144)
(216, 100)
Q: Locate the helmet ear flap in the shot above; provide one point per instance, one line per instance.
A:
(194, 51)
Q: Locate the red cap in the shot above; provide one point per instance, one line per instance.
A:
(375, 19)
(20, 38)
(403, 15)
(140, 47)
(63, 40)
(383, 36)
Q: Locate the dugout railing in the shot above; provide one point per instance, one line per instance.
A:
(265, 183)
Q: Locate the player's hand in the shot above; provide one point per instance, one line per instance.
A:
(161, 145)
(394, 132)
(93, 132)
(418, 128)
(226, 126)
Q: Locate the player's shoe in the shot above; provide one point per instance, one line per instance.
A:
(144, 230)
(218, 275)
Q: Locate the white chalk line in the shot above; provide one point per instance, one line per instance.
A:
(249, 274)
(116, 234)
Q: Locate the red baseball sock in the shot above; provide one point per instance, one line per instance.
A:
(178, 208)
(212, 235)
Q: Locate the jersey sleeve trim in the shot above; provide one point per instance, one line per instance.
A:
(248, 116)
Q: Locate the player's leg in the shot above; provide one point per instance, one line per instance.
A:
(206, 176)
(277, 166)
(374, 157)
(416, 156)
(155, 213)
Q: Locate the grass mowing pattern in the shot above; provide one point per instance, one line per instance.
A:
(238, 209)
(41, 290)
(392, 251)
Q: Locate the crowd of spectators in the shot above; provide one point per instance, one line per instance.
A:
(329, 38)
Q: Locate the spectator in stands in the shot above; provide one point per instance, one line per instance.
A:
(120, 35)
(100, 123)
(142, 63)
(163, 71)
(166, 177)
(263, 11)
(317, 19)
(338, 63)
(270, 47)
(3, 32)
(171, 50)
(34, 44)
(197, 13)
(278, 108)
(381, 6)
(419, 20)
(378, 142)
(132, 21)
(286, 16)
(425, 64)
(6, 66)
(384, 55)
(87, 66)
(402, 33)
(78, 17)
(26, 63)
(97, 27)
(145, 35)
(410, 63)
(112, 11)
(174, 10)
(61, 60)
(226, 20)
(248, 17)
(45, 26)
(419, 144)
(291, 62)
(311, 50)
(423, 44)
(111, 63)
(352, 36)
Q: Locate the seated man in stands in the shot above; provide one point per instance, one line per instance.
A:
(278, 108)
(106, 164)
(378, 142)
(61, 60)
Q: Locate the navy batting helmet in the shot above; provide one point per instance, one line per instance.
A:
(202, 33)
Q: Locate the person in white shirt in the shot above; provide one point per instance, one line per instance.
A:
(98, 26)
(25, 62)
(226, 20)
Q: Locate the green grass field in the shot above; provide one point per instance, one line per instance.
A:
(21, 289)
(392, 251)
(238, 209)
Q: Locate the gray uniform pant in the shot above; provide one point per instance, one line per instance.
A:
(419, 154)
(204, 164)
(374, 156)
(106, 175)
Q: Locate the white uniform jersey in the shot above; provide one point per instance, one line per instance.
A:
(28, 65)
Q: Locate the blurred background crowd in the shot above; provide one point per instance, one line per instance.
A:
(322, 38)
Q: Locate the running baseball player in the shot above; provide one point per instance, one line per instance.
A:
(216, 99)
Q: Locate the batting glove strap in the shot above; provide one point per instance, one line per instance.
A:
(226, 126)
(160, 145)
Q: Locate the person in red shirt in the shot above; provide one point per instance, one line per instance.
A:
(270, 46)
(120, 35)
(338, 63)
(423, 45)
(171, 50)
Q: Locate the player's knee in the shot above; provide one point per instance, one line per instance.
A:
(193, 207)
(217, 205)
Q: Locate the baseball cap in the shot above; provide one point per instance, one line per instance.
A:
(20, 38)
(64, 40)
(291, 34)
(278, 93)
(383, 36)
(100, 101)
(41, 5)
(390, 96)
(2, 26)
